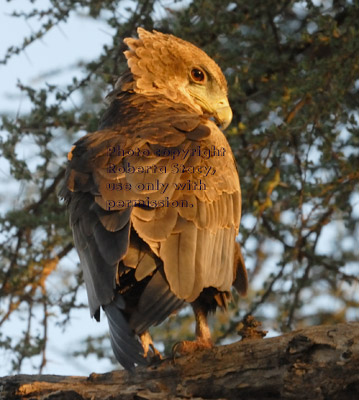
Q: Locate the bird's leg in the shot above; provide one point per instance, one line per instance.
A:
(147, 344)
(203, 333)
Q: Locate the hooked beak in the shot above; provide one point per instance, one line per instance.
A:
(223, 113)
(218, 107)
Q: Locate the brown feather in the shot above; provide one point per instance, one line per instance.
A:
(149, 239)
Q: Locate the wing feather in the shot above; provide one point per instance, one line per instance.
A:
(156, 303)
(125, 345)
(174, 252)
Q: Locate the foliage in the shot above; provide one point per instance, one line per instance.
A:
(292, 68)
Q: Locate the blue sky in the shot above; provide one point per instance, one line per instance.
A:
(78, 39)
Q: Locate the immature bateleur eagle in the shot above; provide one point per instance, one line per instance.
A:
(154, 214)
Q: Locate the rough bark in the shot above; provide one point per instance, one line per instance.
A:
(314, 363)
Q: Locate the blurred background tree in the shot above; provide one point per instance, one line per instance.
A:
(293, 74)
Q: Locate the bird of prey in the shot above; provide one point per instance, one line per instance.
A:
(154, 197)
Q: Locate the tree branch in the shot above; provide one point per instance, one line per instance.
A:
(314, 363)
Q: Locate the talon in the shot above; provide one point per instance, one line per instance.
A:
(175, 349)
(149, 350)
(156, 355)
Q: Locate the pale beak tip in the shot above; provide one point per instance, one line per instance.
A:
(224, 116)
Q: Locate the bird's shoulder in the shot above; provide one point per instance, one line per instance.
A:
(132, 120)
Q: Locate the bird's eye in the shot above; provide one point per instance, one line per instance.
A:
(197, 75)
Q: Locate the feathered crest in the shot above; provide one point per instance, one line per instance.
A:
(161, 62)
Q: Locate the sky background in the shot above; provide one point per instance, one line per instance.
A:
(78, 39)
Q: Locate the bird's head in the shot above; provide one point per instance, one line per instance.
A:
(166, 65)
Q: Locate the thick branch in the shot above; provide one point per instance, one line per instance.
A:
(314, 363)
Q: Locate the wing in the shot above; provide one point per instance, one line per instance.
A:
(154, 214)
(194, 235)
(107, 244)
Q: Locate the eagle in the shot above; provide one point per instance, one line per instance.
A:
(154, 197)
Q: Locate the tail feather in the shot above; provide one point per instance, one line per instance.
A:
(157, 302)
(125, 345)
